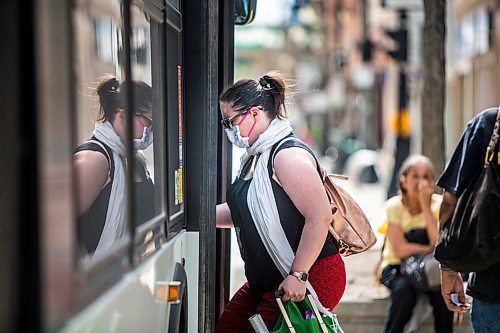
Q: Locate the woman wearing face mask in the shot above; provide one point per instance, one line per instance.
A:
(278, 195)
(100, 166)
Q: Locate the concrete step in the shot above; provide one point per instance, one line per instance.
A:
(363, 307)
(368, 315)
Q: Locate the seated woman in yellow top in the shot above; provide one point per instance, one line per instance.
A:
(412, 229)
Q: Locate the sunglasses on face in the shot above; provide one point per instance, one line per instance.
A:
(148, 122)
(228, 121)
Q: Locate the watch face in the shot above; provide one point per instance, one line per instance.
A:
(302, 276)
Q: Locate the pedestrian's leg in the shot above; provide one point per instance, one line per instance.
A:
(485, 317)
(403, 300)
(268, 309)
(443, 318)
(242, 306)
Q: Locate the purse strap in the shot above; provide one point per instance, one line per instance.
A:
(490, 151)
(323, 172)
(285, 315)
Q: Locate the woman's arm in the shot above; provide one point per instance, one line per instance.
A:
(401, 247)
(426, 189)
(223, 216)
(296, 170)
(92, 174)
(431, 226)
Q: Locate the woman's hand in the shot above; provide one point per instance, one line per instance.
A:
(425, 190)
(293, 288)
(452, 283)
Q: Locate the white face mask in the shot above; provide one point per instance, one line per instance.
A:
(234, 136)
(145, 141)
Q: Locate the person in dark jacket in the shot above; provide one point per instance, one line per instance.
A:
(465, 164)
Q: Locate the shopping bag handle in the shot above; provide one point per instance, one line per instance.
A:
(317, 313)
(280, 293)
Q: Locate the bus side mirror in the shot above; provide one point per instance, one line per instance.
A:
(244, 11)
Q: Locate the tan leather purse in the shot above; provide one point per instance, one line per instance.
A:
(349, 226)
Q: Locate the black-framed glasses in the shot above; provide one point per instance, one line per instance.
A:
(228, 121)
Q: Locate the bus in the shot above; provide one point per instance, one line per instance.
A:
(168, 272)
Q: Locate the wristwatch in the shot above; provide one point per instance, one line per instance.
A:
(301, 276)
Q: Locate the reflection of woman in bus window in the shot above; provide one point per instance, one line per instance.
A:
(100, 166)
(278, 194)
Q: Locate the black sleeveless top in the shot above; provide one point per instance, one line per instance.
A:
(91, 223)
(260, 270)
(144, 195)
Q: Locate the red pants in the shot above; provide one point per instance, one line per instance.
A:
(327, 276)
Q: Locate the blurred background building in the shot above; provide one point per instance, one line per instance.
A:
(473, 62)
(357, 68)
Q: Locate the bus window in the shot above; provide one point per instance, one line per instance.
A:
(99, 154)
(148, 138)
(175, 120)
(174, 3)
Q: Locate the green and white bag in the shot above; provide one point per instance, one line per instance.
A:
(295, 319)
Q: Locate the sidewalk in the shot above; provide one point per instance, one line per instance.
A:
(360, 269)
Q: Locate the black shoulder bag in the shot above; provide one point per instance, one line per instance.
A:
(470, 240)
(422, 271)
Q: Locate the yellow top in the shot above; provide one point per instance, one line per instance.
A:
(396, 212)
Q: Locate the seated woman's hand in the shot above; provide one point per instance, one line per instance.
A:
(430, 248)
(293, 288)
(422, 250)
(425, 191)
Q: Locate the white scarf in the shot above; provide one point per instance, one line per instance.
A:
(262, 204)
(115, 226)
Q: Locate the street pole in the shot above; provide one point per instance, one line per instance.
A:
(402, 133)
(402, 120)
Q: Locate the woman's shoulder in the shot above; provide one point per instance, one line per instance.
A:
(394, 203)
(394, 209)
(93, 156)
(436, 201)
(93, 148)
(290, 142)
(436, 197)
(291, 149)
(91, 159)
(293, 157)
